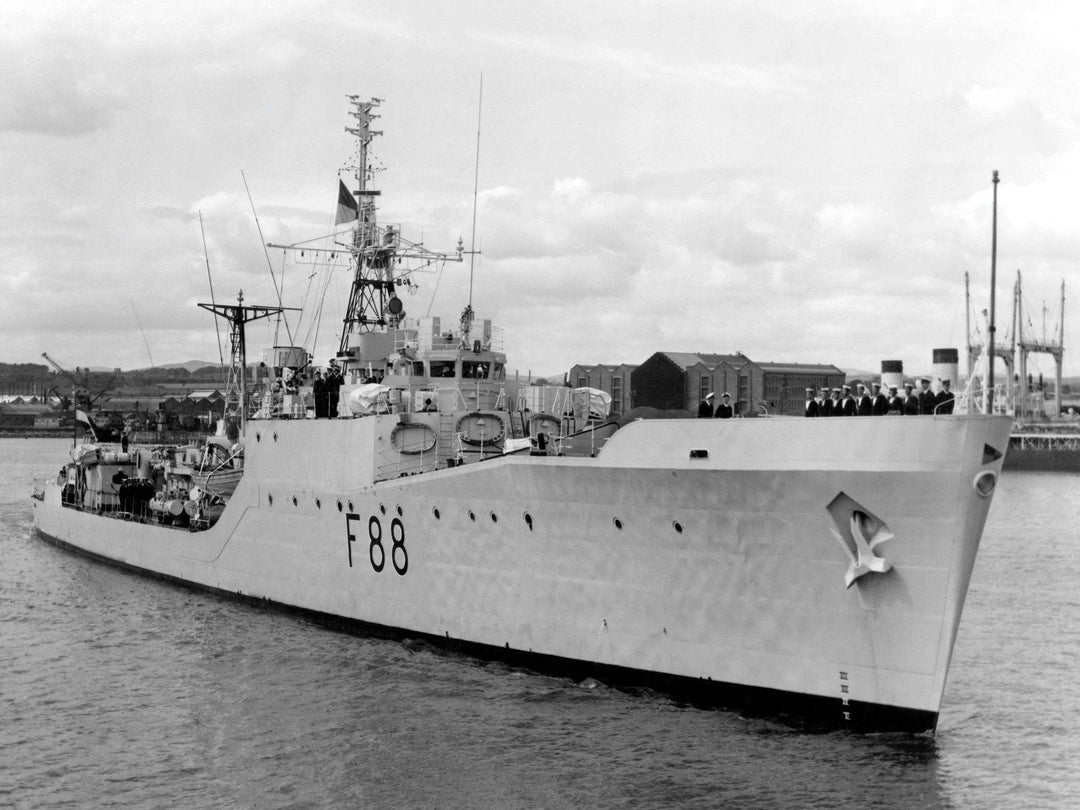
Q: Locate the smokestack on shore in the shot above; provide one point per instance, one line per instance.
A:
(892, 373)
(946, 367)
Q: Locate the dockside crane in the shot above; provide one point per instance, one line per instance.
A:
(81, 396)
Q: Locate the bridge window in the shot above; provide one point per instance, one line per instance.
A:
(442, 368)
(473, 370)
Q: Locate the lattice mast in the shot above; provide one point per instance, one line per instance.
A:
(237, 398)
(383, 259)
(372, 248)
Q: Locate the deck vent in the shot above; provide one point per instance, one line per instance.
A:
(699, 454)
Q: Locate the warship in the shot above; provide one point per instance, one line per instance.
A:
(807, 569)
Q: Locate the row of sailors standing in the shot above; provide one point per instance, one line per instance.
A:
(877, 403)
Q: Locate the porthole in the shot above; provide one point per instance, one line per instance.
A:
(435, 512)
(270, 499)
(318, 504)
(618, 524)
(399, 512)
(528, 521)
(382, 509)
(294, 502)
(351, 507)
(339, 506)
(258, 437)
(275, 435)
(494, 518)
(472, 515)
(985, 483)
(677, 526)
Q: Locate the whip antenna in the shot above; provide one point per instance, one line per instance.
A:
(273, 278)
(206, 255)
(476, 186)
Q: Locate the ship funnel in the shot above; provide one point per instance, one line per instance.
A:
(946, 367)
(892, 373)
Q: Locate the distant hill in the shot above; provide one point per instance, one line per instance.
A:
(189, 366)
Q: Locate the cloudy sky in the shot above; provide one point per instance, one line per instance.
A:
(798, 181)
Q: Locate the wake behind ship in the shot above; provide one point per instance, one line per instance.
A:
(812, 568)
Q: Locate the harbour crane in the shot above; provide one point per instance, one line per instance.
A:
(80, 386)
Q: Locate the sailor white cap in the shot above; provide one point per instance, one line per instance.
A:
(710, 395)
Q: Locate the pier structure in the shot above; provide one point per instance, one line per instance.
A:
(1018, 396)
(977, 365)
(1026, 344)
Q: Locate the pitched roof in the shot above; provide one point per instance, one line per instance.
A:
(801, 368)
(686, 359)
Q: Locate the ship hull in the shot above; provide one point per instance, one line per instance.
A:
(703, 558)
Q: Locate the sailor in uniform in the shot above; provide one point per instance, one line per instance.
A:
(824, 403)
(912, 407)
(927, 399)
(896, 404)
(334, 381)
(704, 410)
(836, 406)
(849, 406)
(945, 398)
(811, 403)
(322, 402)
(879, 402)
(724, 409)
(866, 405)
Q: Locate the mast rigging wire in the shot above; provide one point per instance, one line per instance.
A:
(262, 239)
(217, 323)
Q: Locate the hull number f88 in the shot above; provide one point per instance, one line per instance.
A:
(377, 552)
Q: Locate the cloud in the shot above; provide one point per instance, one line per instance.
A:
(992, 100)
(638, 63)
(52, 87)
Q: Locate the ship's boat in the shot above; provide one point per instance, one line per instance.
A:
(808, 568)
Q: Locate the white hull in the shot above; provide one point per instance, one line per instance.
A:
(718, 573)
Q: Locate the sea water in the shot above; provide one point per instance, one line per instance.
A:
(123, 691)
